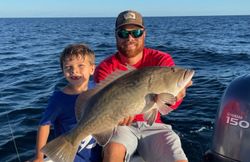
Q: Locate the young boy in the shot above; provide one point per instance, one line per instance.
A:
(78, 64)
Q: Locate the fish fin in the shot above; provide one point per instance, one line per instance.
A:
(164, 101)
(157, 102)
(86, 95)
(149, 102)
(116, 74)
(103, 138)
(150, 110)
(130, 68)
(82, 100)
(60, 150)
(151, 116)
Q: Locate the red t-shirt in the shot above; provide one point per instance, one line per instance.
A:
(150, 57)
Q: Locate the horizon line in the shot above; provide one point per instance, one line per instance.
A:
(115, 16)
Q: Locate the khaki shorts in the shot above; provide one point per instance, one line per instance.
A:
(156, 143)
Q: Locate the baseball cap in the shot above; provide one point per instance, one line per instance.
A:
(129, 17)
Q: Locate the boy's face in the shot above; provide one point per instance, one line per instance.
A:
(77, 70)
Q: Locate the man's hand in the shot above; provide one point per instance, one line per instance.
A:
(127, 121)
(182, 93)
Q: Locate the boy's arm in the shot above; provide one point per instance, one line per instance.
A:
(41, 140)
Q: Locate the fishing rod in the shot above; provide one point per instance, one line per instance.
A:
(13, 138)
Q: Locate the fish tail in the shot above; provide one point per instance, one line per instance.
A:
(60, 150)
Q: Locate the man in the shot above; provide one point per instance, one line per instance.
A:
(156, 143)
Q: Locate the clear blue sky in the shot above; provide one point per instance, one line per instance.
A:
(110, 8)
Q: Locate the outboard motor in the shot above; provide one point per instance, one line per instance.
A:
(231, 138)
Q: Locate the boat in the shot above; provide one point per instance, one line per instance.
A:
(231, 138)
(135, 158)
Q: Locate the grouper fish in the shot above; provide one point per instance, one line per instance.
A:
(98, 111)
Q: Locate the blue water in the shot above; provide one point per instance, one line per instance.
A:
(218, 48)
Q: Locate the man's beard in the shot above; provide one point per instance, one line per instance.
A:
(130, 52)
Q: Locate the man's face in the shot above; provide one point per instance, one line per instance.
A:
(130, 40)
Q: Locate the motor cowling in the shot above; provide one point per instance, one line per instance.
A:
(231, 138)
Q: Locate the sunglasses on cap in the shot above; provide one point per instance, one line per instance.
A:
(124, 34)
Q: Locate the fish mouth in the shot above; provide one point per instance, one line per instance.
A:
(186, 78)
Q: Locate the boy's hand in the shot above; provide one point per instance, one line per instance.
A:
(36, 159)
(126, 121)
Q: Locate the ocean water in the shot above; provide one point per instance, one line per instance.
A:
(217, 47)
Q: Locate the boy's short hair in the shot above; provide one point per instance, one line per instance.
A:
(76, 50)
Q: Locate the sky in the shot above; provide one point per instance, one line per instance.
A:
(111, 8)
